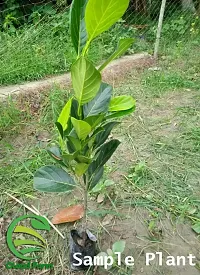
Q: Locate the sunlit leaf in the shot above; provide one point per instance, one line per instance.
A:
(121, 103)
(64, 115)
(86, 80)
(100, 15)
(82, 128)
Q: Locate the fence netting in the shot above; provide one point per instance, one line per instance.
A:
(34, 35)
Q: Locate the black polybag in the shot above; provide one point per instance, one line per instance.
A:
(83, 242)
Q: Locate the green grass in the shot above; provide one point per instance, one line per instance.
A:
(45, 49)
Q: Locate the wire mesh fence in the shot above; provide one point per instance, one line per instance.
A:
(181, 21)
(34, 35)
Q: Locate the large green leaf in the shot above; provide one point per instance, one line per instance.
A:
(86, 80)
(53, 179)
(123, 46)
(64, 115)
(100, 103)
(73, 144)
(103, 155)
(100, 15)
(82, 128)
(77, 24)
(121, 103)
(102, 136)
(95, 177)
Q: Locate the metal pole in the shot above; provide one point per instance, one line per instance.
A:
(159, 30)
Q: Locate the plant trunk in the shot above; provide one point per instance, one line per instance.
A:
(85, 207)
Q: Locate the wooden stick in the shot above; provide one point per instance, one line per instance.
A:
(159, 30)
(36, 212)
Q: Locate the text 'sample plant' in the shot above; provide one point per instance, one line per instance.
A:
(91, 113)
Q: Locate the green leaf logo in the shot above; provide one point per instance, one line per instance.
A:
(26, 249)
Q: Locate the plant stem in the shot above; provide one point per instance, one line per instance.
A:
(85, 206)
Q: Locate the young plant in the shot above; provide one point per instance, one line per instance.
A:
(91, 113)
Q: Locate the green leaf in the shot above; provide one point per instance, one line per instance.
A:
(119, 246)
(81, 168)
(121, 103)
(95, 177)
(60, 129)
(102, 136)
(69, 157)
(83, 159)
(196, 227)
(120, 113)
(53, 179)
(123, 46)
(100, 103)
(94, 121)
(103, 155)
(90, 141)
(74, 108)
(100, 15)
(77, 24)
(64, 115)
(86, 80)
(82, 128)
(73, 144)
